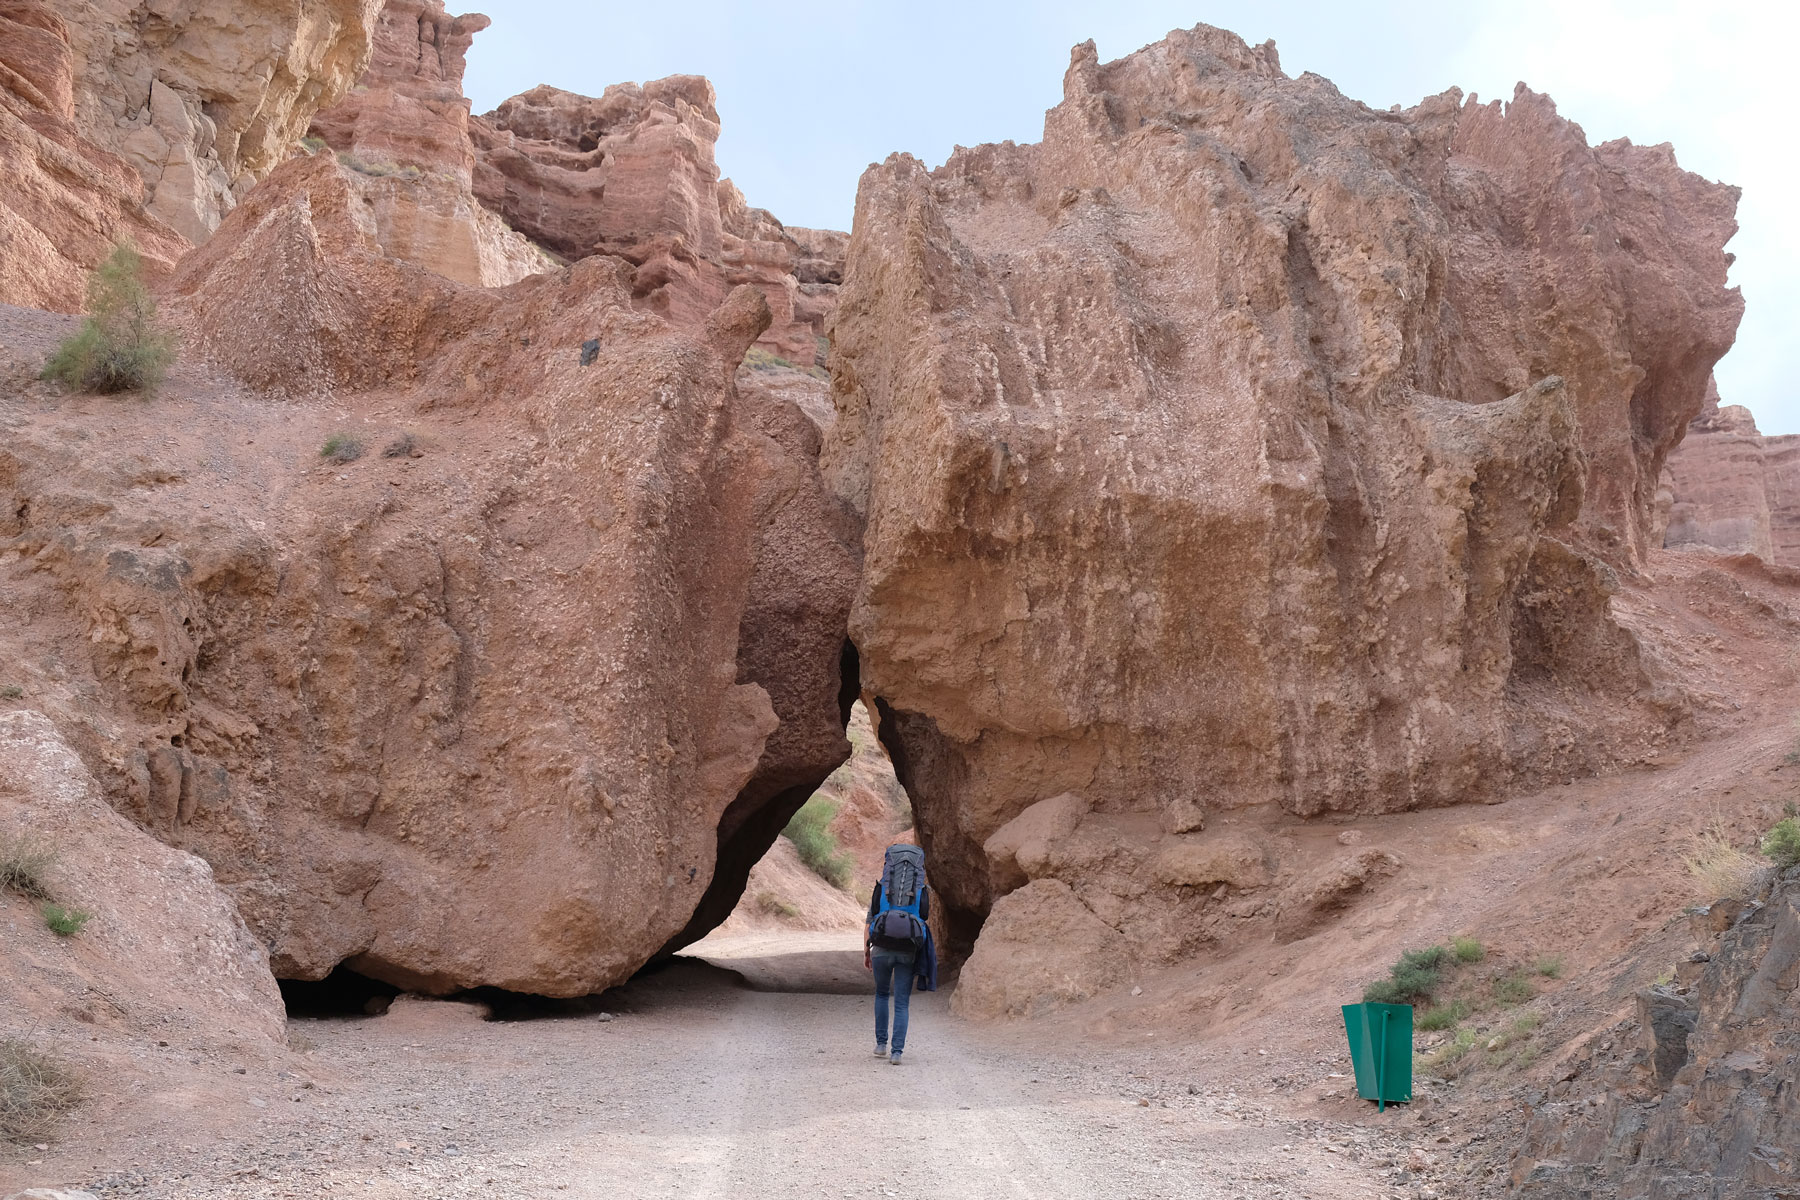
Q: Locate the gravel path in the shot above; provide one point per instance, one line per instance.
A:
(695, 1086)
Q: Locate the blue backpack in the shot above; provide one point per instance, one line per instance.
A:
(902, 895)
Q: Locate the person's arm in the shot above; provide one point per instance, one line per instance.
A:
(874, 906)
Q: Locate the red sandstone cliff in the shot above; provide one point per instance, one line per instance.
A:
(631, 173)
(1241, 445)
(1731, 488)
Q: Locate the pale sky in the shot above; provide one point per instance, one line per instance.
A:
(810, 93)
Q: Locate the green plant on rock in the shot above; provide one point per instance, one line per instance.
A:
(1415, 977)
(1782, 844)
(759, 359)
(64, 921)
(1550, 966)
(810, 831)
(120, 347)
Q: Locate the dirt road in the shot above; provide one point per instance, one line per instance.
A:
(700, 1087)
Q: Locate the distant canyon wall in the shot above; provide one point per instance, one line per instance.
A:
(1731, 488)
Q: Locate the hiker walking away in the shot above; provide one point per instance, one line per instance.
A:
(897, 943)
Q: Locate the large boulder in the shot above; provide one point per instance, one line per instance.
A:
(467, 715)
(1229, 447)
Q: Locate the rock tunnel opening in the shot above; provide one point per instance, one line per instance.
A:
(815, 879)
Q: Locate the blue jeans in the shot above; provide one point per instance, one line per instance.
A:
(893, 976)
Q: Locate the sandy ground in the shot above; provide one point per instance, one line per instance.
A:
(694, 1086)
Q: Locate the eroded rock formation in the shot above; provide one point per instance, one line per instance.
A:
(66, 201)
(403, 134)
(1229, 448)
(164, 952)
(1695, 1095)
(206, 97)
(472, 716)
(1733, 489)
(631, 173)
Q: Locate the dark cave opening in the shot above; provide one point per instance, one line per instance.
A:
(342, 993)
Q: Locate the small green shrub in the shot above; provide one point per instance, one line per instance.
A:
(341, 448)
(810, 831)
(11, 691)
(1513, 989)
(1550, 966)
(1783, 843)
(120, 347)
(404, 446)
(1428, 959)
(34, 1091)
(1468, 949)
(312, 145)
(65, 922)
(1415, 977)
(1444, 1016)
(25, 865)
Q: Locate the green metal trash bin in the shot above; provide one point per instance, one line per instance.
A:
(1381, 1050)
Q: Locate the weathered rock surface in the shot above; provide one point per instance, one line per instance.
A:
(164, 952)
(205, 97)
(1229, 447)
(1706, 1107)
(403, 136)
(1041, 947)
(66, 200)
(1733, 489)
(631, 173)
(471, 714)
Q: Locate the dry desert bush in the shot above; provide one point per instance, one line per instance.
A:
(25, 864)
(1720, 868)
(34, 1090)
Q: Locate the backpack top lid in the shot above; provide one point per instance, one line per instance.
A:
(903, 875)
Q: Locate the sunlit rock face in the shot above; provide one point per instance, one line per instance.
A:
(1238, 444)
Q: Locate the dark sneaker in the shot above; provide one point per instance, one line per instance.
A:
(894, 1060)
(880, 1050)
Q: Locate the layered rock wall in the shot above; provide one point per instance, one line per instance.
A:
(205, 97)
(1229, 447)
(403, 134)
(1733, 489)
(631, 173)
(66, 200)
